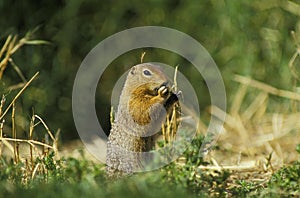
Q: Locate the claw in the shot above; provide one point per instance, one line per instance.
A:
(163, 90)
(179, 94)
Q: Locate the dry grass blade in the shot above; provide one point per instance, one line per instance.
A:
(37, 42)
(19, 94)
(1, 128)
(267, 88)
(46, 127)
(30, 142)
(3, 49)
(7, 144)
(55, 143)
(35, 170)
(255, 106)
(10, 46)
(16, 86)
(17, 69)
(31, 128)
(291, 64)
(8, 49)
(295, 55)
(25, 40)
(2, 104)
(246, 166)
(14, 132)
(232, 122)
(175, 79)
(238, 99)
(142, 57)
(55, 149)
(169, 128)
(1, 121)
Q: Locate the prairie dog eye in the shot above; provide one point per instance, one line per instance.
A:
(146, 72)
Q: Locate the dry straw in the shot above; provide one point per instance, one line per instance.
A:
(258, 140)
(14, 145)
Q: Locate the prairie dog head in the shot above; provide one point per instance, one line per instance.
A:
(146, 74)
(142, 101)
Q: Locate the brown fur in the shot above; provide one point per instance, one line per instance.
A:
(142, 98)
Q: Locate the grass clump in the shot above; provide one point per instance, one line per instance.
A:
(286, 180)
(73, 177)
(283, 183)
(186, 173)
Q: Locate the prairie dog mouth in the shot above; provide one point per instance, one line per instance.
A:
(163, 89)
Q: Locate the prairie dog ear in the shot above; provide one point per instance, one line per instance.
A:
(133, 70)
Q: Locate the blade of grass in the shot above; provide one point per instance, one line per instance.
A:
(23, 140)
(3, 63)
(35, 170)
(2, 104)
(238, 99)
(254, 106)
(267, 88)
(16, 86)
(31, 127)
(18, 95)
(14, 134)
(142, 56)
(46, 127)
(37, 42)
(17, 69)
(7, 144)
(5, 45)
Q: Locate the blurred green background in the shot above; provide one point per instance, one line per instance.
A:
(250, 38)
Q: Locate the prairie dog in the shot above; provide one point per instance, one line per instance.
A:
(144, 103)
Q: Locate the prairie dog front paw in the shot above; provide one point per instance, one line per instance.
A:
(163, 91)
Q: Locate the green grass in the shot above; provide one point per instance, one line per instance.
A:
(286, 181)
(76, 178)
(79, 177)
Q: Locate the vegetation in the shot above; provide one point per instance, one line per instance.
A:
(79, 177)
(256, 45)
